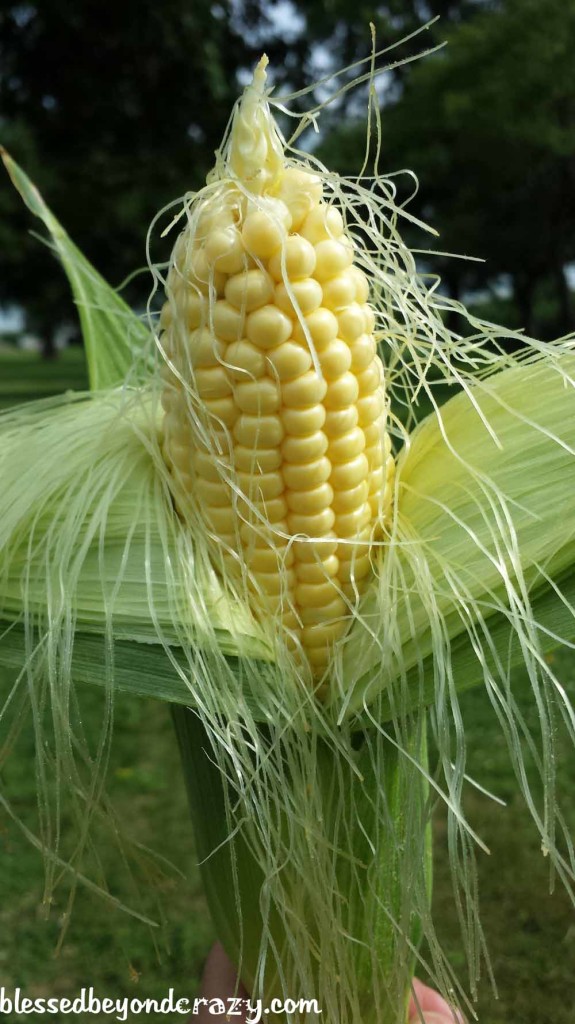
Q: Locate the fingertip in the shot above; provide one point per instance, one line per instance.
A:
(434, 1018)
(426, 1006)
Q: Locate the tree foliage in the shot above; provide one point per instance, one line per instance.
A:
(114, 110)
(488, 126)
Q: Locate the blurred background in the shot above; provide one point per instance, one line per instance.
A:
(114, 110)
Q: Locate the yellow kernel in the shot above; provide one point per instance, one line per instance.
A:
(259, 460)
(205, 277)
(272, 510)
(180, 456)
(256, 535)
(275, 604)
(212, 382)
(352, 322)
(315, 550)
(244, 361)
(322, 222)
(224, 250)
(301, 298)
(304, 391)
(373, 434)
(223, 410)
(268, 327)
(376, 480)
(375, 456)
(263, 233)
(349, 524)
(362, 351)
(269, 559)
(177, 426)
(354, 568)
(371, 378)
(259, 431)
(208, 466)
(300, 191)
(204, 349)
(332, 258)
(312, 525)
(361, 284)
(249, 290)
(222, 520)
(342, 392)
(288, 633)
(319, 658)
(227, 321)
(214, 494)
(317, 572)
(275, 510)
(295, 260)
(262, 486)
(335, 360)
(369, 314)
(321, 326)
(288, 361)
(340, 421)
(347, 446)
(334, 610)
(304, 477)
(346, 501)
(193, 308)
(304, 449)
(321, 636)
(299, 422)
(258, 396)
(166, 315)
(310, 501)
(275, 582)
(356, 547)
(339, 291)
(315, 595)
(215, 214)
(171, 397)
(370, 407)
(349, 474)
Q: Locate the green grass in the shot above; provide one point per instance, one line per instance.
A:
(530, 934)
(25, 375)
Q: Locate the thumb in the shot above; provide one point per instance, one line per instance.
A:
(433, 1018)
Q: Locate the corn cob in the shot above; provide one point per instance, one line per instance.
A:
(274, 400)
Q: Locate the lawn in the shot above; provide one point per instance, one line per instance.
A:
(531, 934)
(24, 376)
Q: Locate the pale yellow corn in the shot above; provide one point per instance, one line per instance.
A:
(274, 403)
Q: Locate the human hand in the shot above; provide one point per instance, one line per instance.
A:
(432, 1007)
(220, 981)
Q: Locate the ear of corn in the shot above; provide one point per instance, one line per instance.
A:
(274, 394)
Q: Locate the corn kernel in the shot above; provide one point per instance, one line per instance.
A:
(295, 260)
(249, 290)
(268, 327)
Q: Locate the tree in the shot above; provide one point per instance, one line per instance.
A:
(114, 111)
(488, 125)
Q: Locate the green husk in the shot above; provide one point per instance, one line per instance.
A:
(114, 337)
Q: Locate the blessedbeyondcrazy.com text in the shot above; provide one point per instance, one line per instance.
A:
(87, 1001)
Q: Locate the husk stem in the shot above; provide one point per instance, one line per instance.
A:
(367, 856)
